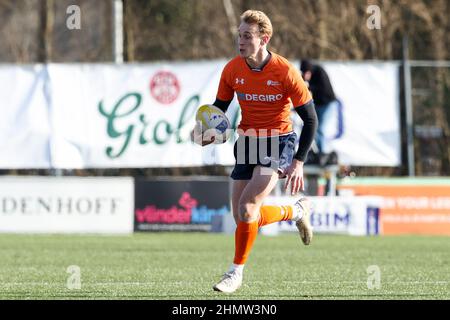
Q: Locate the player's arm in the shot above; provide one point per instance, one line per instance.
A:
(304, 106)
(222, 104)
(308, 114)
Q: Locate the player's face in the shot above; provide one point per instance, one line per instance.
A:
(249, 40)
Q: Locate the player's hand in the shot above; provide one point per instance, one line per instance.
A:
(294, 176)
(200, 138)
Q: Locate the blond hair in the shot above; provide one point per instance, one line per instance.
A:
(259, 18)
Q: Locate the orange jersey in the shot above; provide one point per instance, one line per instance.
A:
(266, 97)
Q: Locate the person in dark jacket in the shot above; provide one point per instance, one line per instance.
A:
(325, 100)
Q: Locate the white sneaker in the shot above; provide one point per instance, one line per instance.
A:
(304, 224)
(230, 282)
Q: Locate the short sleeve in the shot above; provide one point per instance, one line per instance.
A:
(225, 91)
(296, 88)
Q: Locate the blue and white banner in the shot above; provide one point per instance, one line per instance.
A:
(369, 130)
(338, 215)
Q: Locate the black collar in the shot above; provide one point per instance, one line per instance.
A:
(259, 69)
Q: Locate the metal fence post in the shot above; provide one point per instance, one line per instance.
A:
(118, 31)
(408, 106)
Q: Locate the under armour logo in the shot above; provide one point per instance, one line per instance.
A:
(239, 80)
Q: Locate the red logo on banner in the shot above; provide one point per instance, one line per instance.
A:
(152, 214)
(164, 87)
(186, 201)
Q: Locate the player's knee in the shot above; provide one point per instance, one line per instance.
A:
(246, 217)
(248, 212)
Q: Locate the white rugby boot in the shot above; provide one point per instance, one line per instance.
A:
(304, 224)
(230, 282)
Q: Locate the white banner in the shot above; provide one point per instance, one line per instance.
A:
(140, 115)
(132, 115)
(370, 113)
(24, 122)
(66, 205)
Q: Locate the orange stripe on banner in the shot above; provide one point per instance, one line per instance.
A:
(410, 209)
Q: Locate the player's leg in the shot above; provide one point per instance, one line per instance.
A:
(275, 213)
(250, 200)
(237, 188)
(303, 224)
(241, 175)
(300, 211)
(262, 183)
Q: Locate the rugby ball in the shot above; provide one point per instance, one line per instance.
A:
(214, 122)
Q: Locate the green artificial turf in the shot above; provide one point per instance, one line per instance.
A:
(186, 265)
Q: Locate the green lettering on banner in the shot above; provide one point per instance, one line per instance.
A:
(159, 134)
(142, 139)
(187, 113)
(111, 117)
(168, 130)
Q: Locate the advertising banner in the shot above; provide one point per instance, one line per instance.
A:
(409, 205)
(66, 205)
(24, 122)
(189, 205)
(370, 113)
(356, 216)
(141, 115)
(137, 115)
